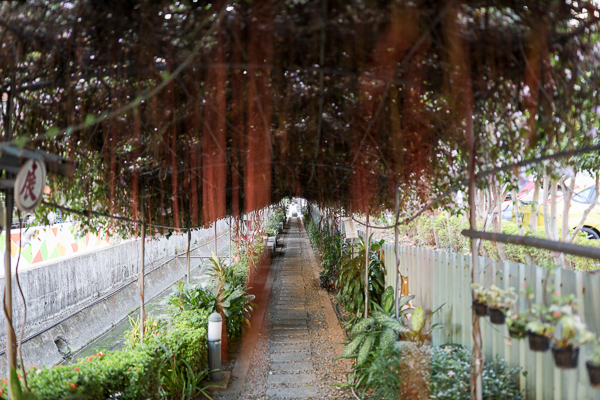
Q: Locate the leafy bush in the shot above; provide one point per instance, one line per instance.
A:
(352, 279)
(152, 329)
(444, 232)
(133, 374)
(437, 373)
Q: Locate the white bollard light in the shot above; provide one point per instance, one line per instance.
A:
(215, 325)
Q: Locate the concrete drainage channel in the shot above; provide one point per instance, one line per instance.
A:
(157, 307)
(77, 333)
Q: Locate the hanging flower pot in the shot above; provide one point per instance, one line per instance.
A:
(538, 342)
(497, 315)
(481, 310)
(565, 357)
(517, 333)
(594, 373)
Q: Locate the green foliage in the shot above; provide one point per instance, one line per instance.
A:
(436, 373)
(595, 357)
(352, 279)
(418, 331)
(152, 329)
(180, 381)
(133, 374)
(371, 336)
(277, 216)
(450, 373)
(444, 232)
(227, 295)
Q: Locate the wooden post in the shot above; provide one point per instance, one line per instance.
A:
(11, 342)
(367, 251)
(398, 275)
(188, 254)
(11, 347)
(476, 376)
(230, 257)
(141, 279)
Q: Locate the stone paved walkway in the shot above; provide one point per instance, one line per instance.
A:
(293, 357)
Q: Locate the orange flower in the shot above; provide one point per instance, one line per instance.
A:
(73, 386)
(90, 359)
(5, 381)
(556, 314)
(19, 376)
(1, 391)
(76, 369)
(34, 367)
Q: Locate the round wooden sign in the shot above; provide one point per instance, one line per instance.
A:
(30, 184)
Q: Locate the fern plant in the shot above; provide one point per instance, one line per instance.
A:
(377, 333)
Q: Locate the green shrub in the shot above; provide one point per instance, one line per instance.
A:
(134, 374)
(437, 373)
(444, 233)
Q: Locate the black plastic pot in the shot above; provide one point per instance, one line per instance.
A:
(538, 342)
(481, 310)
(565, 357)
(594, 373)
(516, 334)
(497, 316)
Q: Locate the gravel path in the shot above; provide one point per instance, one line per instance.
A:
(293, 357)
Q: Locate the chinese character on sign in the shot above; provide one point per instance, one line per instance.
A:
(30, 184)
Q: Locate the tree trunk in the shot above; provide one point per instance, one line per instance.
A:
(533, 216)
(519, 222)
(499, 196)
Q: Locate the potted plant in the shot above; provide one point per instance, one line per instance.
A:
(479, 300)
(517, 323)
(499, 302)
(540, 328)
(570, 334)
(593, 366)
(517, 320)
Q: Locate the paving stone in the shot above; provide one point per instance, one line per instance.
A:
(283, 357)
(294, 392)
(292, 366)
(291, 322)
(291, 379)
(278, 335)
(283, 347)
(289, 340)
(284, 329)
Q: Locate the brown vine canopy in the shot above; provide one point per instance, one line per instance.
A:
(226, 107)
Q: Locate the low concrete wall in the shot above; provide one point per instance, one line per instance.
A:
(82, 297)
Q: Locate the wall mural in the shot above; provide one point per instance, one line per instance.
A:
(40, 244)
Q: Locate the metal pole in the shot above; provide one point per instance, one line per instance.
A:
(141, 279)
(188, 254)
(215, 238)
(367, 251)
(11, 348)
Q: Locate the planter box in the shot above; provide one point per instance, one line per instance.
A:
(566, 357)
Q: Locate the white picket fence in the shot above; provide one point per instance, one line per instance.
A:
(437, 277)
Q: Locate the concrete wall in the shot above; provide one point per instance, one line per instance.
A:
(82, 297)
